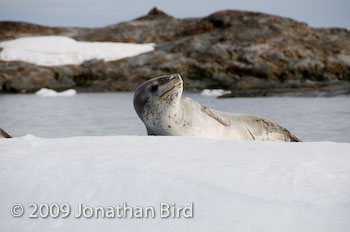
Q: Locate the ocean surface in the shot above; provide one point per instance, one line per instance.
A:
(97, 114)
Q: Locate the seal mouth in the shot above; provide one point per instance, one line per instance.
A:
(169, 90)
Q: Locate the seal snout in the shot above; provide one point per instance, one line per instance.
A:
(175, 76)
(176, 79)
(172, 83)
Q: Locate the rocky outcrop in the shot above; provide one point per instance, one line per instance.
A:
(248, 53)
(13, 30)
(156, 27)
(21, 77)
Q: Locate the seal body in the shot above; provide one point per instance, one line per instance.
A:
(160, 105)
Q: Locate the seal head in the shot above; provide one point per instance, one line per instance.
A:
(157, 97)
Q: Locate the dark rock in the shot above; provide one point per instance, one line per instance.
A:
(12, 30)
(155, 27)
(21, 77)
(155, 14)
(245, 52)
(306, 90)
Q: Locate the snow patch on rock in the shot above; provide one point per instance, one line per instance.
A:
(61, 50)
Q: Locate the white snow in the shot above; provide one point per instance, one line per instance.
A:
(44, 92)
(214, 92)
(234, 186)
(61, 50)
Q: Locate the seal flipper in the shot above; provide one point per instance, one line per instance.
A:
(289, 136)
(150, 132)
(215, 116)
(262, 129)
(4, 134)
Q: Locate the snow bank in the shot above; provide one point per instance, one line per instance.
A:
(52, 93)
(234, 186)
(214, 92)
(61, 50)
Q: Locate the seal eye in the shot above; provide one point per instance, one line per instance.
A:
(154, 88)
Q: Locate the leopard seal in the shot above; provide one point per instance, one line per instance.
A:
(164, 111)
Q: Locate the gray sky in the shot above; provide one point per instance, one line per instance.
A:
(95, 13)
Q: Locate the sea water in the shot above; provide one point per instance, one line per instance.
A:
(94, 114)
